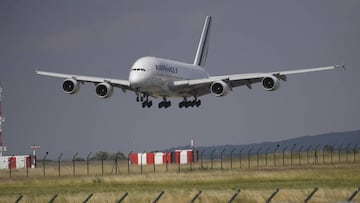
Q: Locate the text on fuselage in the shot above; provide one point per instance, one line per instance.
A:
(165, 68)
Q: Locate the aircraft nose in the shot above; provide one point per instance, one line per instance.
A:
(136, 79)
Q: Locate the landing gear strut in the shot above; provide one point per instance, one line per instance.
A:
(144, 98)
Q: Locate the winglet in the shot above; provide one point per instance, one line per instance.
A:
(202, 50)
(341, 66)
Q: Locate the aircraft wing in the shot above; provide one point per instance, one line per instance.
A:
(202, 85)
(123, 84)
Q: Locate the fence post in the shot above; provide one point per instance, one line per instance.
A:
(44, 159)
(353, 195)
(339, 152)
(87, 199)
(272, 195)
(116, 164)
(73, 160)
(195, 197)
(354, 150)
(266, 155)
(315, 154)
(283, 155)
(123, 197)
(158, 197)
(10, 164)
(240, 151)
(87, 163)
(249, 156)
(201, 158)
(307, 154)
(347, 152)
(59, 158)
(234, 196)
(276, 148)
(221, 158)
(302, 146)
(19, 198)
(291, 154)
(257, 156)
(212, 157)
(141, 162)
(128, 162)
(310, 195)
(53, 198)
(231, 153)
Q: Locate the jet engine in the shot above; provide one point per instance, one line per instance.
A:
(104, 90)
(219, 88)
(270, 83)
(71, 86)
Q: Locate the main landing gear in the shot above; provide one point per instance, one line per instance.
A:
(165, 103)
(192, 103)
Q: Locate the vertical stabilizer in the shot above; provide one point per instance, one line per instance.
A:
(202, 50)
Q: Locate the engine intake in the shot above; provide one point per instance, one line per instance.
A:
(104, 90)
(270, 83)
(71, 86)
(219, 88)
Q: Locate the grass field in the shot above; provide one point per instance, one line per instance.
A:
(336, 182)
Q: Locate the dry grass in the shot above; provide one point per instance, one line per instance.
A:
(336, 182)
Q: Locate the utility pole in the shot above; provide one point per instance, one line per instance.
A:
(2, 120)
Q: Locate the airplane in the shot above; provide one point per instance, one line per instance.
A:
(162, 78)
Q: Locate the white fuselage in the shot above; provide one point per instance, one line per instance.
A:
(155, 76)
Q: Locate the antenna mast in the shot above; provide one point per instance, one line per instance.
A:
(2, 120)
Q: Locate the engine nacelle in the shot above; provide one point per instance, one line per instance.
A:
(71, 86)
(104, 90)
(270, 83)
(219, 88)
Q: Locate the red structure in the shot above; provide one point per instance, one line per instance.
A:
(158, 158)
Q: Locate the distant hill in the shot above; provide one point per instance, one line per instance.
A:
(344, 140)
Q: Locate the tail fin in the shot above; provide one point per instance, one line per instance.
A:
(202, 50)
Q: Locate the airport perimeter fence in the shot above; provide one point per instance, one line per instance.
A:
(227, 158)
